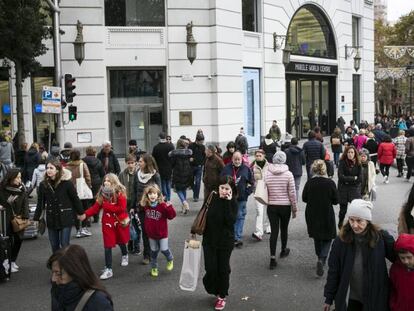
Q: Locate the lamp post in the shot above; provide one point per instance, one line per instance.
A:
(410, 72)
(79, 44)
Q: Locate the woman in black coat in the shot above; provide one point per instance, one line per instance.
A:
(31, 161)
(97, 173)
(13, 197)
(357, 276)
(349, 180)
(182, 173)
(218, 240)
(72, 278)
(57, 196)
(320, 194)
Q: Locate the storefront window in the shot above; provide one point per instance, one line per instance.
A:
(249, 13)
(309, 34)
(5, 108)
(138, 83)
(135, 13)
(43, 123)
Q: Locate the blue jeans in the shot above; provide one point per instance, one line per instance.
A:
(336, 158)
(156, 246)
(322, 249)
(241, 215)
(182, 195)
(166, 188)
(197, 172)
(59, 238)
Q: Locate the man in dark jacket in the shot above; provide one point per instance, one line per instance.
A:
(160, 154)
(108, 159)
(244, 180)
(314, 150)
(197, 162)
(212, 169)
(295, 158)
(133, 149)
(379, 133)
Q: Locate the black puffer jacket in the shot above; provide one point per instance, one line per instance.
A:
(295, 158)
(270, 148)
(66, 298)
(60, 202)
(314, 150)
(20, 205)
(96, 171)
(182, 170)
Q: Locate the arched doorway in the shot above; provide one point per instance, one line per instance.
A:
(311, 78)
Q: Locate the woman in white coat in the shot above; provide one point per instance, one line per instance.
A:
(368, 187)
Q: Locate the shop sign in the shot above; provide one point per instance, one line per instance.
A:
(320, 69)
(51, 99)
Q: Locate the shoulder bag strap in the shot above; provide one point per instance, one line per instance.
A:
(81, 170)
(84, 299)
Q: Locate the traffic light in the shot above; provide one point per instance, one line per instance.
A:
(69, 87)
(73, 113)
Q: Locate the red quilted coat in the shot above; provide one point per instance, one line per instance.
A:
(112, 231)
(386, 153)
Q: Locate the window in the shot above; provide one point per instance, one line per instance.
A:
(249, 15)
(355, 31)
(310, 34)
(5, 111)
(135, 13)
(356, 98)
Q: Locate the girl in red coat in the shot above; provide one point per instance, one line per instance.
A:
(115, 221)
(386, 155)
(157, 212)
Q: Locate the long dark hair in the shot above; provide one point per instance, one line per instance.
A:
(59, 173)
(10, 176)
(230, 181)
(409, 204)
(372, 234)
(75, 262)
(344, 156)
(150, 164)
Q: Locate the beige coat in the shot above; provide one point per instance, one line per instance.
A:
(74, 168)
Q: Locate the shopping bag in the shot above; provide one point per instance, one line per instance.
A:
(199, 223)
(191, 265)
(84, 192)
(261, 194)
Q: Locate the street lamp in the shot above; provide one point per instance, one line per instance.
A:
(79, 44)
(191, 43)
(410, 72)
(350, 50)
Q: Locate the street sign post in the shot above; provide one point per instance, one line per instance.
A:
(51, 99)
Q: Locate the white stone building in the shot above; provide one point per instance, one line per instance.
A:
(136, 80)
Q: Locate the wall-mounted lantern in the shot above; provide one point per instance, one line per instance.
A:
(191, 43)
(351, 50)
(79, 44)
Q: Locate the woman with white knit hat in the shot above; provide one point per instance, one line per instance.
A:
(357, 276)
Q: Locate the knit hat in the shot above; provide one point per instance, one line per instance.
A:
(279, 157)
(200, 137)
(361, 209)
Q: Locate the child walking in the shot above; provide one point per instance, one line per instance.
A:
(115, 221)
(156, 214)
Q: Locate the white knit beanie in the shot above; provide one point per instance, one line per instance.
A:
(279, 157)
(361, 209)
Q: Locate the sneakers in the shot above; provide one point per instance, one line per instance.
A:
(145, 261)
(186, 207)
(256, 237)
(273, 264)
(135, 252)
(319, 268)
(78, 234)
(386, 180)
(284, 253)
(85, 232)
(124, 261)
(14, 267)
(170, 265)
(154, 272)
(238, 244)
(106, 274)
(220, 303)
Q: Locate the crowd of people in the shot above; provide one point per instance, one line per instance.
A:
(134, 205)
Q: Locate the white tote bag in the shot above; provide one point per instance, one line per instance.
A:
(261, 194)
(191, 265)
(84, 192)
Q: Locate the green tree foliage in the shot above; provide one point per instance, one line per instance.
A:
(22, 30)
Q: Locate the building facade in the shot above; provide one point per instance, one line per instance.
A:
(136, 80)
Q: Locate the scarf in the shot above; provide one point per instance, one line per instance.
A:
(107, 192)
(261, 164)
(144, 177)
(349, 163)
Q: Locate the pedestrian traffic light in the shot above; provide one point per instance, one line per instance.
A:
(73, 113)
(69, 87)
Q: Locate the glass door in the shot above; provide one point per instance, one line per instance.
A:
(119, 137)
(307, 111)
(137, 126)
